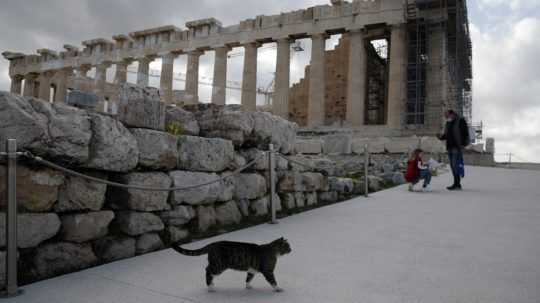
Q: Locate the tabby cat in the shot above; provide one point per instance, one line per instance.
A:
(248, 257)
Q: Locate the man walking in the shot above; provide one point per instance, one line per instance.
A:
(456, 134)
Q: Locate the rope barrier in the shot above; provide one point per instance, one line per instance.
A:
(144, 188)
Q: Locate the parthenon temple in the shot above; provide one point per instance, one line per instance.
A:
(424, 69)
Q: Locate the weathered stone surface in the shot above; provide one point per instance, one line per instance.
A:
(238, 161)
(375, 183)
(311, 198)
(402, 144)
(178, 216)
(147, 243)
(249, 186)
(273, 129)
(114, 148)
(133, 199)
(63, 257)
(300, 199)
(206, 217)
(219, 191)
(341, 185)
(32, 229)
(287, 200)
(141, 107)
(85, 227)
(157, 150)
(56, 131)
(375, 145)
(228, 213)
(337, 144)
(261, 158)
(245, 128)
(183, 118)
(328, 197)
(295, 182)
(243, 206)
(432, 145)
(359, 187)
(260, 206)
(38, 188)
(306, 163)
(204, 154)
(398, 178)
(176, 234)
(113, 248)
(136, 223)
(80, 194)
(309, 146)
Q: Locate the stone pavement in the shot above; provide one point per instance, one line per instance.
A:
(478, 245)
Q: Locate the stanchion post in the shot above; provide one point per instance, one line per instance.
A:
(366, 168)
(272, 181)
(11, 221)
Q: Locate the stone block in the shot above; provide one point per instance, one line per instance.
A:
(157, 150)
(300, 199)
(141, 107)
(203, 154)
(337, 144)
(228, 213)
(219, 191)
(375, 145)
(249, 186)
(114, 147)
(309, 146)
(398, 145)
(311, 198)
(259, 207)
(134, 199)
(176, 234)
(59, 258)
(85, 227)
(243, 206)
(288, 201)
(37, 188)
(32, 229)
(206, 217)
(295, 182)
(178, 216)
(328, 197)
(148, 243)
(186, 120)
(81, 194)
(114, 248)
(341, 185)
(136, 223)
(432, 145)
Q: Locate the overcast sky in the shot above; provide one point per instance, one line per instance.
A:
(505, 34)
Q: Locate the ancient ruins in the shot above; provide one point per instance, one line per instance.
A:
(427, 66)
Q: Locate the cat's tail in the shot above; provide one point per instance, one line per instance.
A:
(187, 252)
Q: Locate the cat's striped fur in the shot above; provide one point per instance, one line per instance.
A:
(248, 257)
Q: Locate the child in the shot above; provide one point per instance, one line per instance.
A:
(417, 170)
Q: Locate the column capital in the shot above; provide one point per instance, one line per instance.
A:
(222, 47)
(31, 76)
(146, 59)
(195, 52)
(84, 67)
(320, 36)
(104, 64)
(253, 44)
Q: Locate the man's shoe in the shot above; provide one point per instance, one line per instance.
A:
(454, 187)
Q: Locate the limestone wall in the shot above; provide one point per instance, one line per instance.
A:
(67, 223)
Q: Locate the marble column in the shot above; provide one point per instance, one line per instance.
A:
(397, 76)
(143, 71)
(280, 107)
(16, 84)
(99, 85)
(45, 86)
(120, 76)
(356, 90)
(192, 77)
(60, 93)
(29, 84)
(219, 89)
(166, 80)
(317, 81)
(249, 78)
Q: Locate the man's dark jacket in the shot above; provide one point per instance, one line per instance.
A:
(456, 134)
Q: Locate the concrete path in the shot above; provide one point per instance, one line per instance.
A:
(475, 246)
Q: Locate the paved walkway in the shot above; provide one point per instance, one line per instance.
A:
(479, 245)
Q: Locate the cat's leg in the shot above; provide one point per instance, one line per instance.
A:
(209, 279)
(250, 276)
(269, 276)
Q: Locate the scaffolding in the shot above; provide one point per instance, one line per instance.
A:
(449, 20)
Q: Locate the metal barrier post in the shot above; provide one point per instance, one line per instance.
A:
(11, 221)
(272, 179)
(366, 173)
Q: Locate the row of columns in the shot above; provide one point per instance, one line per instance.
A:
(356, 91)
